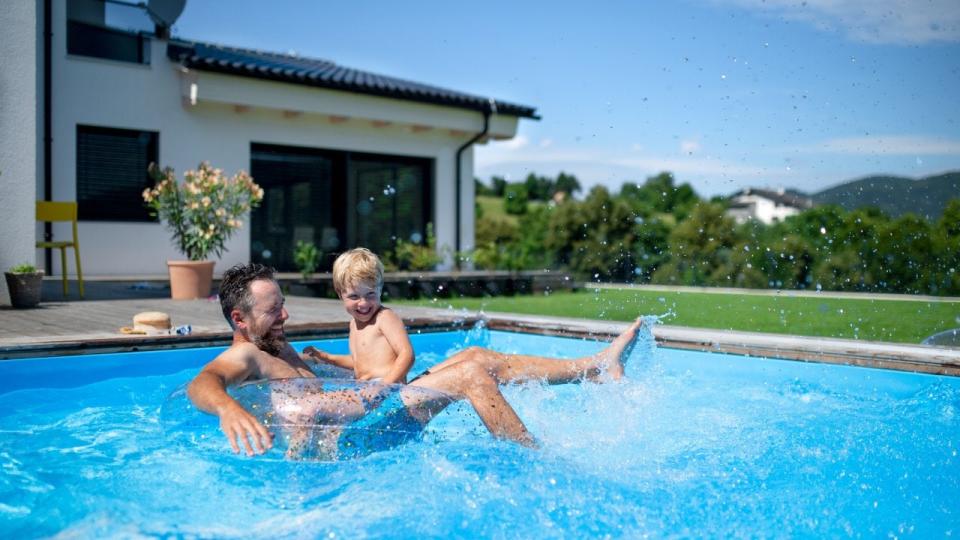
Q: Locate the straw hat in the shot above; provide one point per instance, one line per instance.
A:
(149, 323)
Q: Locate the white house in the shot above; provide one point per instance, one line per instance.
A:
(766, 206)
(346, 157)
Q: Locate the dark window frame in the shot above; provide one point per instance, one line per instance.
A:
(95, 41)
(124, 205)
(429, 168)
(343, 192)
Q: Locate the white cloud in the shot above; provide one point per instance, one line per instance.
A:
(870, 21)
(892, 145)
(689, 147)
(516, 143)
(546, 143)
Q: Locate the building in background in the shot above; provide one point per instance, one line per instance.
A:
(346, 157)
(766, 206)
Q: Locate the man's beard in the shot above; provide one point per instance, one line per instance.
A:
(269, 344)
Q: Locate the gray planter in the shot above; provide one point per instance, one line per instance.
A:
(24, 289)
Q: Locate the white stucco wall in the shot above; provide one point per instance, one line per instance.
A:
(20, 97)
(763, 210)
(228, 115)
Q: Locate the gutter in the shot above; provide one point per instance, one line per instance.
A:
(490, 108)
(47, 122)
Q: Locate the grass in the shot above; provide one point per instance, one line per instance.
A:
(901, 321)
(492, 207)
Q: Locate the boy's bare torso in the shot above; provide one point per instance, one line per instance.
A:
(373, 356)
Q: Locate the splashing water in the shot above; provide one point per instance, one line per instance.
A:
(688, 444)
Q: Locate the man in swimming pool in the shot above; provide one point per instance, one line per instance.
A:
(253, 304)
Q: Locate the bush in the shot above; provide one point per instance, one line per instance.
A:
(415, 257)
(515, 199)
(25, 268)
(307, 257)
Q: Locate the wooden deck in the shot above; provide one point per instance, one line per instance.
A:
(59, 327)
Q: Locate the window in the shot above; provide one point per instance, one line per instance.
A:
(112, 172)
(101, 42)
(112, 31)
(298, 205)
(336, 200)
(391, 200)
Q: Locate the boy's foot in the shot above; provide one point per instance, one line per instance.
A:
(615, 355)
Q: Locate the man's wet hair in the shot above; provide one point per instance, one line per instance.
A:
(235, 287)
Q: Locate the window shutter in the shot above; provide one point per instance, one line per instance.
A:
(112, 173)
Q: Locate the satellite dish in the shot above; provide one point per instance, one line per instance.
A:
(165, 12)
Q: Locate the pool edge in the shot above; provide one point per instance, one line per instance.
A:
(882, 355)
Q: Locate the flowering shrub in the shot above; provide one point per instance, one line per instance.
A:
(204, 210)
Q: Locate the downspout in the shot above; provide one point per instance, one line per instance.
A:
(491, 108)
(47, 122)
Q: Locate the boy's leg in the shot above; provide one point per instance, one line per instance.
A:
(510, 368)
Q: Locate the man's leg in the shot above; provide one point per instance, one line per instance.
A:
(511, 368)
(471, 381)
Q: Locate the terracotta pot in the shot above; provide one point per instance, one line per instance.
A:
(190, 279)
(24, 289)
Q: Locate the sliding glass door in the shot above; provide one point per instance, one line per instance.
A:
(336, 200)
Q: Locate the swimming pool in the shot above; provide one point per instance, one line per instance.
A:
(691, 443)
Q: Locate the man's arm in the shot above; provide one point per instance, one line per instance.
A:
(208, 391)
(317, 356)
(392, 328)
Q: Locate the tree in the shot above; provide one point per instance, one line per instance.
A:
(906, 256)
(946, 241)
(538, 187)
(658, 194)
(566, 183)
(595, 237)
(702, 249)
(786, 262)
(498, 186)
(505, 246)
(481, 189)
(650, 247)
(515, 199)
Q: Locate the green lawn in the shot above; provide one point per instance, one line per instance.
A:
(493, 207)
(876, 320)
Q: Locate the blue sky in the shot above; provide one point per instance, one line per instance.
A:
(725, 94)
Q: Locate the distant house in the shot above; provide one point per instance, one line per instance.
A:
(766, 206)
(346, 157)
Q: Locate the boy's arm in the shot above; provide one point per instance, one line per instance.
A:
(392, 328)
(315, 355)
(208, 391)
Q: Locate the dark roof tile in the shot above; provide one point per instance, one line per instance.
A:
(325, 74)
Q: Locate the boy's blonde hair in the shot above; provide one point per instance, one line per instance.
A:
(359, 265)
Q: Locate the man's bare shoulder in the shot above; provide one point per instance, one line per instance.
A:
(240, 355)
(239, 362)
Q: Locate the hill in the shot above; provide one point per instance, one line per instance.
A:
(895, 195)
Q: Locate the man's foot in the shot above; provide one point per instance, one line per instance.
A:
(614, 356)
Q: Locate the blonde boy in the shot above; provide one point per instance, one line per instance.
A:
(380, 348)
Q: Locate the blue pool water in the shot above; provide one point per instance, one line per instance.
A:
(691, 444)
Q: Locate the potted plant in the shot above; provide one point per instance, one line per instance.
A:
(307, 257)
(202, 212)
(24, 282)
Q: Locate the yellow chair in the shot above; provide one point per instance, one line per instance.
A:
(62, 211)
